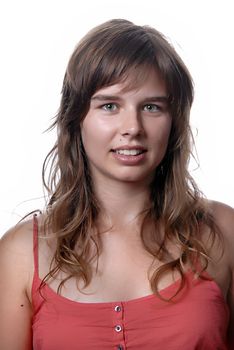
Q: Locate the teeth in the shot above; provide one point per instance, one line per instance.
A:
(129, 152)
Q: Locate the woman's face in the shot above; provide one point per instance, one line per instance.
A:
(125, 133)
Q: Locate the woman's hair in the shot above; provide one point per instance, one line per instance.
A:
(109, 54)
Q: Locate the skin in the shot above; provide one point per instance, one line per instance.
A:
(130, 118)
(123, 193)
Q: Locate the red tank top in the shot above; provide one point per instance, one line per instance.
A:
(196, 319)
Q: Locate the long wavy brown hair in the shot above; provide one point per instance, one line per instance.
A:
(109, 54)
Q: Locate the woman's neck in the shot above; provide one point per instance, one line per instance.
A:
(121, 203)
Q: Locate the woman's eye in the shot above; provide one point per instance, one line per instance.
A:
(151, 108)
(109, 107)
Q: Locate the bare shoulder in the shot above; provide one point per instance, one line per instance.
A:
(16, 247)
(19, 238)
(16, 252)
(222, 212)
(224, 217)
(16, 271)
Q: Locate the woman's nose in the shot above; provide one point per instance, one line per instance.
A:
(131, 124)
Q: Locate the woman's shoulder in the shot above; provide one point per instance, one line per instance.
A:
(16, 245)
(221, 210)
(19, 237)
(223, 216)
(17, 255)
(16, 261)
(16, 271)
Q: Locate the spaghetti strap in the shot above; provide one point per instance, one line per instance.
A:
(35, 244)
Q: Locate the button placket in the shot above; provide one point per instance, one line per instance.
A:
(118, 328)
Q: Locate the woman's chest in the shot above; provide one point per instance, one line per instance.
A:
(123, 276)
(123, 271)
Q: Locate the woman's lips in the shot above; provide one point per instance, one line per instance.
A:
(129, 159)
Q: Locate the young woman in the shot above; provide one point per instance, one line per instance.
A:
(128, 254)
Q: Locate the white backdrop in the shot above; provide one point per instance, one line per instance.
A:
(37, 38)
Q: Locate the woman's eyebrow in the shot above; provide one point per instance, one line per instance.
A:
(157, 99)
(102, 97)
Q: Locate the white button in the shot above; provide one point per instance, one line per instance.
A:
(120, 347)
(118, 308)
(118, 328)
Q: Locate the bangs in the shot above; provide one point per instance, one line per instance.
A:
(119, 52)
(133, 78)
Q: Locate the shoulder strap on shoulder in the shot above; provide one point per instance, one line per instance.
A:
(35, 242)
